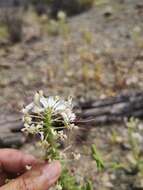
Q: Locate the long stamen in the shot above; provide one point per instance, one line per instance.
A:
(59, 128)
(34, 122)
(67, 148)
(36, 116)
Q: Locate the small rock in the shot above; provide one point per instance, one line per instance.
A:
(106, 181)
(132, 80)
(138, 137)
(108, 11)
(125, 146)
(138, 184)
(131, 159)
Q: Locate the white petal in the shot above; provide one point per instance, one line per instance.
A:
(44, 102)
(28, 108)
(51, 102)
(41, 135)
(38, 109)
(37, 98)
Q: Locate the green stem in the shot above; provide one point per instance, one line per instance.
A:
(67, 181)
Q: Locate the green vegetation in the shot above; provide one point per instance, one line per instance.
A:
(59, 26)
(135, 147)
(3, 31)
(68, 182)
(135, 157)
(97, 157)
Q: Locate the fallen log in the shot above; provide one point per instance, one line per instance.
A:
(9, 139)
(112, 109)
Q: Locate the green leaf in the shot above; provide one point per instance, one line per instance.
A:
(97, 157)
(89, 185)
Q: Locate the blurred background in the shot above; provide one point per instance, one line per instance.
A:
(91, 50)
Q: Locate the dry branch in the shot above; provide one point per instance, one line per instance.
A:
(112, 109)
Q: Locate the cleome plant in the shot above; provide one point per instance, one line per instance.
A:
(134, 139)
(49, 119)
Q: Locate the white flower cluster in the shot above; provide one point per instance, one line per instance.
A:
(60, 110)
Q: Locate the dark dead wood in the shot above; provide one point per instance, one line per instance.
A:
(4, 66)
(8, 139)
(89, 113)
(10, 127)
(113, 109)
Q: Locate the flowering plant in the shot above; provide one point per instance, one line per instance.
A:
(50, 118)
